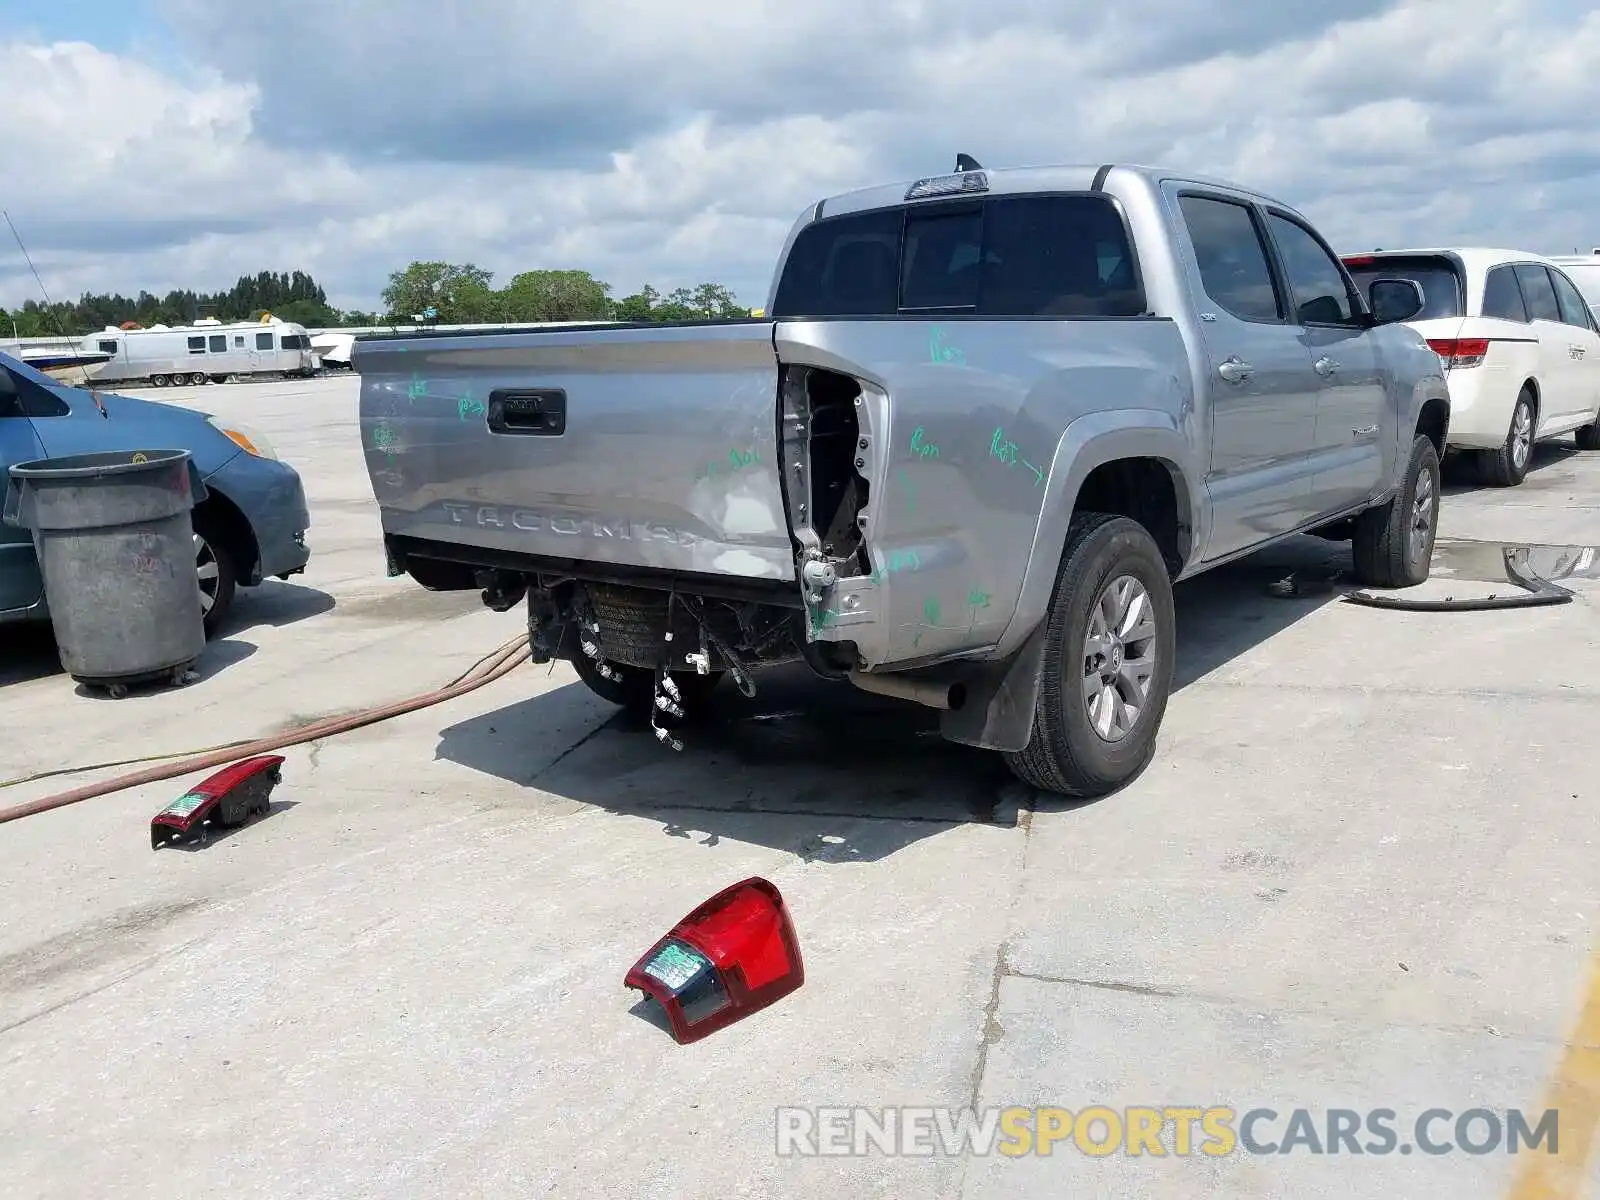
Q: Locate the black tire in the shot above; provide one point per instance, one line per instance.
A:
(1065, 753)
(217, 588)
(1588, 436)
(1386, 556)
(635, 691)
(158, 381)
(1508, 466)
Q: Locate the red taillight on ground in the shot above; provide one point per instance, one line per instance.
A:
(1459, 352)
(734, 955)
(230, 797)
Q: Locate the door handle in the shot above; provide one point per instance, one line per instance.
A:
(1575, 351)
(1235, 369)
(1325, 366)
(536, 412)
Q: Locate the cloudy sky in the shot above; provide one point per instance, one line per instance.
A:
(163, 143)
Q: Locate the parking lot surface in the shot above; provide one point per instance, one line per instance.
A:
(1360, 874)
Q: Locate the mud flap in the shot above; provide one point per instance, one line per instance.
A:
(998, 713)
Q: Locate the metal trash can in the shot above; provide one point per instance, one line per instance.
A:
(115, 541)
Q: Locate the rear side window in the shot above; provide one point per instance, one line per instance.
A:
(1537, 292)
(1438, 278)
(219, 343)
(197, 345)
(1573, 310)
(22, 397)
(1502, 297)
(1231, 257)
(1007, 256)
(1322, 297)
(263, 341)
(107, 347)
(293, 341)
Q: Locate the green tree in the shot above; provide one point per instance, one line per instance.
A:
(640, 306)
(709, 301)
(460, 293)
(555, 296)
(292, 295)
(313, 314)
(712, 300)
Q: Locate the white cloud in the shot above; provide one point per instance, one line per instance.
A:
(676, 143)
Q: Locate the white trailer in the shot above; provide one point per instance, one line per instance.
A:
(205, 352)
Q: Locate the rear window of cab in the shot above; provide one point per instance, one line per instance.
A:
(1002, 256)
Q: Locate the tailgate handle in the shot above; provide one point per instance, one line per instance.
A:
(536, 412)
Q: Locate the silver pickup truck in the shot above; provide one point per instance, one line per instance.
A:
(986, 422)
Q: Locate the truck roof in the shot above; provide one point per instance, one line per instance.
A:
(1021, 180)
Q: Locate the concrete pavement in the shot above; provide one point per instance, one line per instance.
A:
(1360, 874)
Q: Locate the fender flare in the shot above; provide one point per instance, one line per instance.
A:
(1089, 442)
(1002, 692)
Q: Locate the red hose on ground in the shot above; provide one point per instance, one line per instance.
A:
(486, 670)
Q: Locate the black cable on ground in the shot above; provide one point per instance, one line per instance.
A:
(1467, 604)
(1537, 592)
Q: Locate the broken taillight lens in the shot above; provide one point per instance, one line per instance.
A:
(734, 955)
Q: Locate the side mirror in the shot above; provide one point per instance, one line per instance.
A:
(1394, 300)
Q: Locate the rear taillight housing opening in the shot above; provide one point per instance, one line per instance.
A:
(734, 955)
(1455, 353)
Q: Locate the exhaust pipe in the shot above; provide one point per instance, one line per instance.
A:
(930, 694)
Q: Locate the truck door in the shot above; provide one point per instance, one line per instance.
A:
(20, 582)
(1355, 438)
(1260, 388)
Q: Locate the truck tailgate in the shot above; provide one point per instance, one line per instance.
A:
(646, 447)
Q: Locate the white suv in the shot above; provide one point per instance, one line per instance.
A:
(1519, 344)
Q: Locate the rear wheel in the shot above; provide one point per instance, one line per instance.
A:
(1508, 466)
(1393, 543)
(158, 381)
(1588, 436)
(199, 380)
(1108, 659)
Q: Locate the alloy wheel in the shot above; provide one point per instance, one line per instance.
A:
(1119, 658)
(210, 574)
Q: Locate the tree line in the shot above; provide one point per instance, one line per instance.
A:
(423, 292)
(292, 295)
(464, 294)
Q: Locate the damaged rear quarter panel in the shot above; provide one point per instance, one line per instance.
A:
(975, 460)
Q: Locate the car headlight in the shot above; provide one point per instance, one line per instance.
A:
(249, 440)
